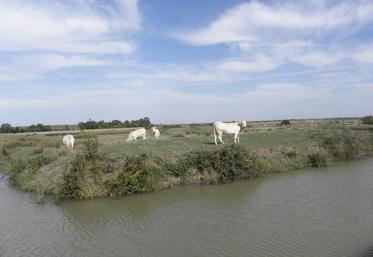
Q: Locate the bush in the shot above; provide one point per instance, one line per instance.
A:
(85, 165)
(317, 160)
(72, 180)
(285, 123)
(346, 145)
(367, 120)
(134, 177)
(16, 167)
(91, 148)
(19, 167)
(229, 163)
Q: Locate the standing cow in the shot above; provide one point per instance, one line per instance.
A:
(156, 132)
(68, 141)
(133, 135)
(234, 128)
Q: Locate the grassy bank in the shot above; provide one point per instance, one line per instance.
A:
(104, 164)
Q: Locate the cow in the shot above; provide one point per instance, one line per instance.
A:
(155, 132)
(133, 135)
(234, 128)
(68, 141)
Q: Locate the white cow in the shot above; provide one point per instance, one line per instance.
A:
(228, 128)
(68, 141)
(155, 132)
(133, 135)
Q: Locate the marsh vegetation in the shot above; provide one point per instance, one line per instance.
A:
(103, 164)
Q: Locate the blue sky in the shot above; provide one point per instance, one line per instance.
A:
(65, 61)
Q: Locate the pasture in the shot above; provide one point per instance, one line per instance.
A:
(39, 161)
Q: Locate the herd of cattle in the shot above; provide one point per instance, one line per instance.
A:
(220, 128)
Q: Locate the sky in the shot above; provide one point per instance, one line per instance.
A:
(180, 61)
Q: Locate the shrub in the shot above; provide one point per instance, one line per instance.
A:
(257, 165)
(37, 162)
(285, 123)
(85, 165)
(229, 163)
(29, 166)
(317, 160)
(367, 120)
(132, 178)
(16, 167)
(72, 180)
(91, 148)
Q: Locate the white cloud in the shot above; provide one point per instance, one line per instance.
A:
(270, 34)
(364, 55)
(250, 21)
(198, 73)
(39, 36)
(317, 59)
(256, 64)
(287, 91)
(31, 66)
(68, 26)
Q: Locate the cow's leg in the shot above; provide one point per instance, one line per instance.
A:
(221, 138)
(238, 138)
(143, 137)
(216, 142)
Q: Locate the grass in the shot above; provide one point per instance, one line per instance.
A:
(104, 164)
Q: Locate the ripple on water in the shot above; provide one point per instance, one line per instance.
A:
(324, 212)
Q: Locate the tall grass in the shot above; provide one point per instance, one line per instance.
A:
(88, 172)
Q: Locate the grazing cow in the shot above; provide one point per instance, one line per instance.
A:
(156, 132)
(133, 135)
(228, 128)
(68, 141)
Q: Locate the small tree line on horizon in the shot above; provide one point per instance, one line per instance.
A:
(7, 128)
(90, 124)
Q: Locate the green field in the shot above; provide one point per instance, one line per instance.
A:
(39, 162)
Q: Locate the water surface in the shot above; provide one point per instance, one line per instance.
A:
(315, 212)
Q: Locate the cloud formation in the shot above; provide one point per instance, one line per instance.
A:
(253, 21)
(68, 26)
(269, 34)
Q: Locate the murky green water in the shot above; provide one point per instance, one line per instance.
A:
(321, 212)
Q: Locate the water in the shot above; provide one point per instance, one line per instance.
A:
(320, 212)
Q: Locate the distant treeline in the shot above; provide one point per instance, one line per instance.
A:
(92, 124)
(367, 120)
(7, 128)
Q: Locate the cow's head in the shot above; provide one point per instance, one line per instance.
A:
(243, 123)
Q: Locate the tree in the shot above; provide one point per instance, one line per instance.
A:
(6, 128)
(367, 120)
(285, 122)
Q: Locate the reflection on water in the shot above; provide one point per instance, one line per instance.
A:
(322, 212)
